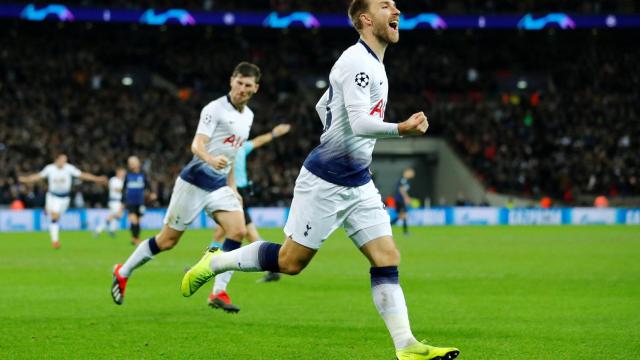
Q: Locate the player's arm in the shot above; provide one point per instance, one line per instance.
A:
(123, 197)
(405, 194)
(28, 179)
(266, 138)
(199, 149)
(206, 127)
(357, 97)
(151, 195)
(93, 178)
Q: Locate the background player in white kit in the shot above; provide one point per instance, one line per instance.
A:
(207, 182)
(334, 187)
(60, 176)
(116, 184)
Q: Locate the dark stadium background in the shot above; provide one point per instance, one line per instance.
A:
(571, 134)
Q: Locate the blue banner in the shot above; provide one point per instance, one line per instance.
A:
(302, 19)
(88, 219)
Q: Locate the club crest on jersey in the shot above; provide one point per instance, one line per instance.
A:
(378, 109)
(362, 79)
(234, 141)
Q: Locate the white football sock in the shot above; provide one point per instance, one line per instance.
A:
(54, 229)
(113, 225)
(243, 259)
(101, 226)
(389, 301)
(139, 257)
(221, 282)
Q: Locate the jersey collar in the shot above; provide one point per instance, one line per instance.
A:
(229, 100)
(369, 49)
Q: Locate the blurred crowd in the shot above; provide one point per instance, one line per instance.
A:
(533, 114)
(410, 6)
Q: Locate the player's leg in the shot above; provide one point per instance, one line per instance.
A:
(134, 225)
(313, 217)
(403, 217)
(54, 207)
(232, 223)
(186, 203)
(252, 236)
(54, 229)
(113, 222)
(369, 227)
(218, 234)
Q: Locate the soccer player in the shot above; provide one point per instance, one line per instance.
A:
(219, 299)
(60, 176)
(402, 197)
(135, 184)
(207, 182)
(116, 184)
(334, 187)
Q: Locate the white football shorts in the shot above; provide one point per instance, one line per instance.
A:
(320, 207)
(114, 207)
(187, 201)
(56, 204)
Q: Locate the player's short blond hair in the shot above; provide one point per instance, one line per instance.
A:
(357, 8)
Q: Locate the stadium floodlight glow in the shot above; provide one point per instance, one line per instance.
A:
(435, 21)
(60, 11)
(127, 80)
(321, 84)
(150, 17)
(522, 84)
(528, 22)
(307, 19)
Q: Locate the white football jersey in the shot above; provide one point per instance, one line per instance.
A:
(115, 188)
(227, 129)
(60, 179)
(358, 88)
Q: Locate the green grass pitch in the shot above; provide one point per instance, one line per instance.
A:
(494, 292)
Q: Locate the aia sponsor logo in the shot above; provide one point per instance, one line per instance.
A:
(234, 141)
(378, 109)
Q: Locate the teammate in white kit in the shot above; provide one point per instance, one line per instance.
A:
(60, 176)
(207, 182)
(334, 187)
(116, 184)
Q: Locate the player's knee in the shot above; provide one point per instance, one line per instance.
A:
(290, 266)
(166, 242)
(236, 232)
(389, 257)
(291, 269)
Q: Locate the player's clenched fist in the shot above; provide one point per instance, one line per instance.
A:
(417, 124)
(219, 162)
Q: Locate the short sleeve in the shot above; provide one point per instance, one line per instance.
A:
(75, 172)
(45, 172)
(207, 123)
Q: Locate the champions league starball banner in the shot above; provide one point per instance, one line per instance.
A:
(301, 19)
(274, 217)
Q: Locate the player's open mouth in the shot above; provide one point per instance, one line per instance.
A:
(394, 25)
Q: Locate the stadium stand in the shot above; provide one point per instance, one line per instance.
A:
(562, 123)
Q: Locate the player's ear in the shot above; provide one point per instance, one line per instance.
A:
(231, 81)
(365, 19)
(257, 88)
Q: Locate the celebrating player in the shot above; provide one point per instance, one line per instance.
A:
(402, 197)
(60, 176)
(207, 182)
(219, 297)
(116, 184)
(334, 187)
(135, 184)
